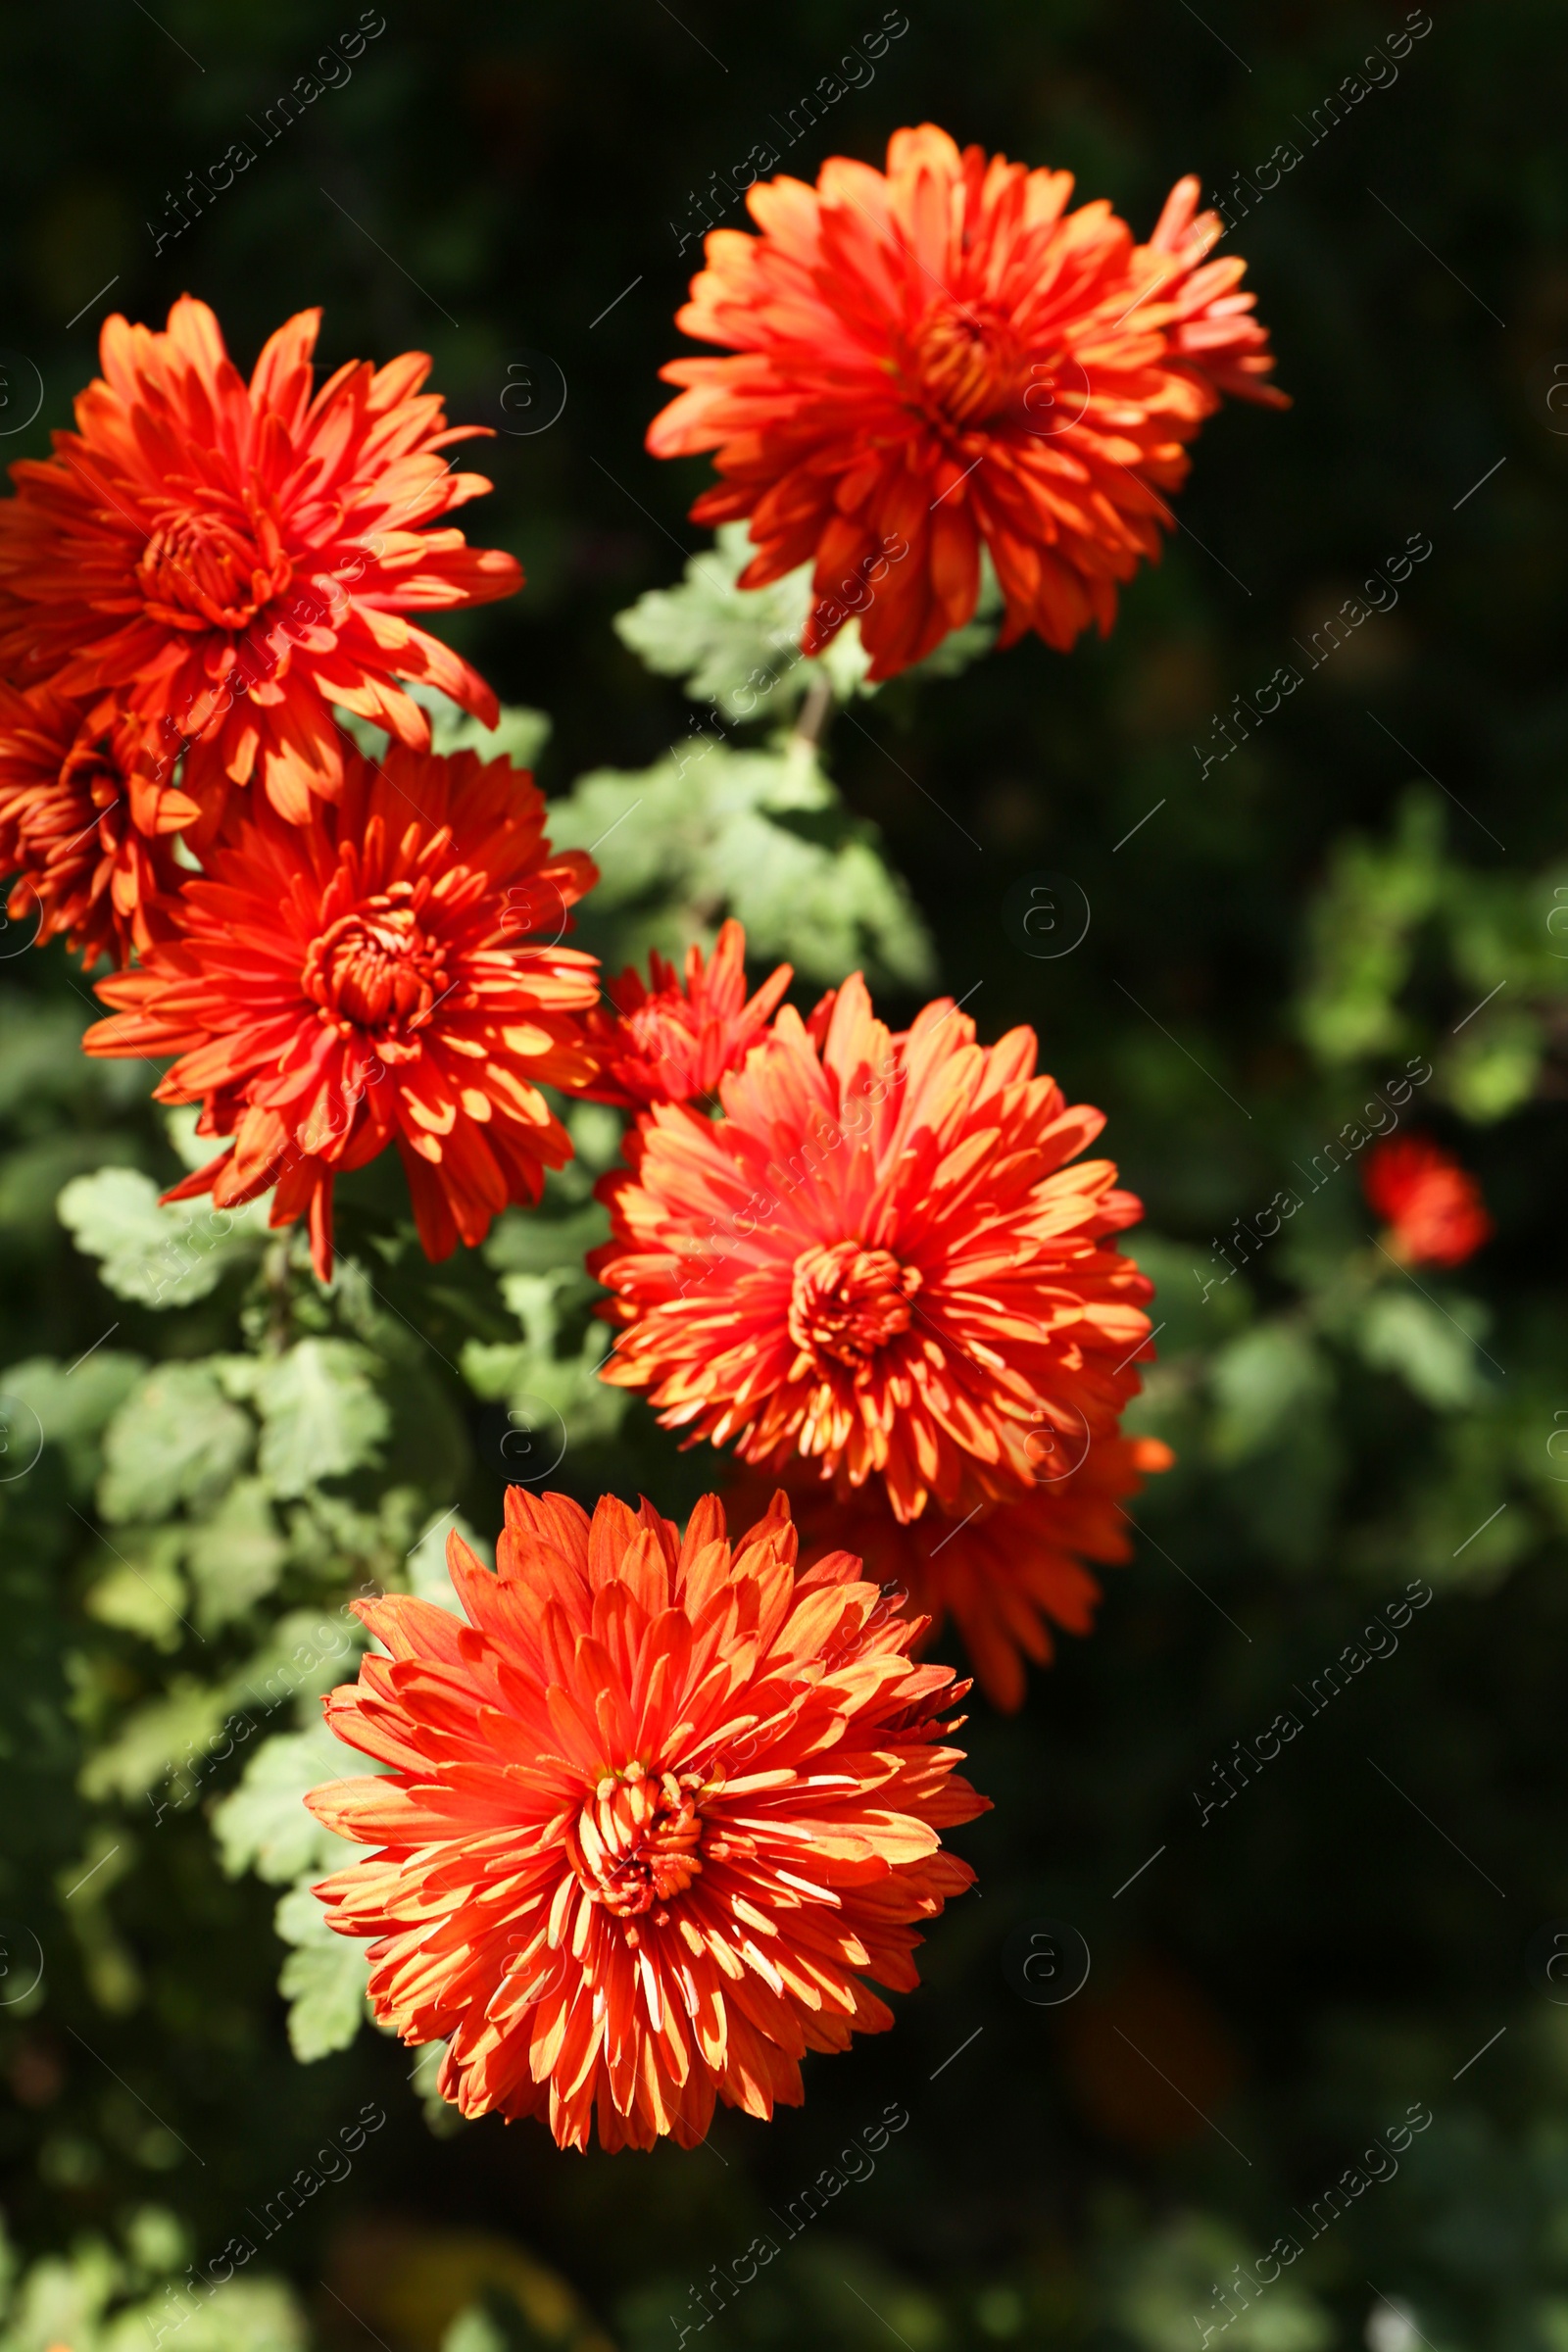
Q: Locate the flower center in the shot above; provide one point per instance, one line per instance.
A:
(965, 362)
(378, 968)
(849, 1301)
(210, 571)
(637, 1840)
(89, 770)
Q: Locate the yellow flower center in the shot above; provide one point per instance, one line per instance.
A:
(965, 362)
(637, 1840)
(847, 1303)
(201, 570)
(378, 968)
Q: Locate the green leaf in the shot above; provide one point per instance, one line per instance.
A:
(518, 735)
(62, 2300)
(157, 2242)
(760, 835)
(308, 1653)
(73, 1402)
(264, 1824)
(1436, 1356)
(739, 647)
(83, 1887)
(1260, 1381)
(1173, 2274)
(1363, 932)
(162, 1742)
(1194, 1318)
(321, 1415)
(248, 2315)
(526, 1242)
(1494, 1068)
(157, 1255)
(544, 1302)
(555, 1403)
(236, 1555)
(474, 2331)
(537, 1299)
(176, 1439)
(143, 1591)
(323, 1980)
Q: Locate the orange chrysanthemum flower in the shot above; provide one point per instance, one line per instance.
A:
(879, 1257)
(232, 559)
(372, 977)
(666, 1044)
(655, 1814)
(84, 823)
(1432, 1206)
(1004, 1575)
(945, 358)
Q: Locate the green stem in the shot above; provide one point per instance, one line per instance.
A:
(279, 1295)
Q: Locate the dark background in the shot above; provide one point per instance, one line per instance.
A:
(1281, 1982)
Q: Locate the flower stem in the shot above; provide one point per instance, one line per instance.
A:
(279, 1295)
(815, 714)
